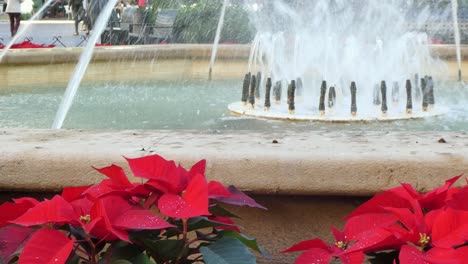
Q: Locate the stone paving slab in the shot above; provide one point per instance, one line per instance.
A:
(302, 163)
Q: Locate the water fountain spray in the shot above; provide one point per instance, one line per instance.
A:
(217, 38)
(82, 65)
(307, 41)
(457, 36)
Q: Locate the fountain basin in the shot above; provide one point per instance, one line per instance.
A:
(310, 179)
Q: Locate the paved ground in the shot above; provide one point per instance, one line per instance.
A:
(44, 31)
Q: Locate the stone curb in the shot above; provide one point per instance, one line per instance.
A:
(301, 163)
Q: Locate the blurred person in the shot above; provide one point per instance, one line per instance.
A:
(119, 7)
(13, 10)
(78, 13)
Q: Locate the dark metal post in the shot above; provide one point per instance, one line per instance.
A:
(291, 92)
(277, 91)
(353, 99)
(383, 89)
(331, 97)
(323, 91)
(430, 87)
(245, 89)
(425, 102)
(267, 94)
(252, 92)
(409, 97)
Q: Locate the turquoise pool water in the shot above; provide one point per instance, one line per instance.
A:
(200, 105)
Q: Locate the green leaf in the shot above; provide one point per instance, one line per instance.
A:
(218, 210)
(194, 224)
(227, 250)
(122, 252)
(162, 250)
(249, 242)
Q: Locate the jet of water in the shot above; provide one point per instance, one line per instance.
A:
(82, 65)
(217, 37)
(457, 36)
(23, 29)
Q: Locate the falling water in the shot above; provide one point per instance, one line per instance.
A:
(23, 29)
(82, 65)
(457, 36)
(217, 37)
(341, 41)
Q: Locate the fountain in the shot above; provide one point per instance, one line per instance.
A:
(136, 100)
(350, 45)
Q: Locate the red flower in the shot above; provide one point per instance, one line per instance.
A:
(46, 246)
(10, 211)
(107, 218)
(179, 193)
(411, 254)
(406, 197)
(319, 252)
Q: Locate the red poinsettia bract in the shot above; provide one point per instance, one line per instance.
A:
(427, 227)
(48, 231)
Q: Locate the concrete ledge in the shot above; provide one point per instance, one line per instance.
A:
(166, 51)
(119, 53)
(302, 163)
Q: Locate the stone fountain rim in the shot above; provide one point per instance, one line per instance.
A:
(161, 51)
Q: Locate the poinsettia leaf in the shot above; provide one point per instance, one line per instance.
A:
(193, 203)
(356, 257)
(238, 198)
(160, 250)
(12, 239)
(197, 193)
(458, 200)
(230, 225)
(389, 198)
(10, 211)
(437, 198)
(123, 251)
(308, 244)
(56, 210)
(218, 210)
(198, 168)
(116, 173)
(227, 250)
(140, 219)
(410, 254)
(150, 167)
(365, 223)
(70, 194)
(217, 189)
(193, 224)
(46, 246)
(249, 242)
(450, 228)
(316, 256)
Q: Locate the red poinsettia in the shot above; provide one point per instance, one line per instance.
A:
(94, 222)
(427, 227)
(107, 218)
(317, 251)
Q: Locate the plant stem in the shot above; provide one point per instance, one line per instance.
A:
(184, 238)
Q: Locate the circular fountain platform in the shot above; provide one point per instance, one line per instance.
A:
(279, 112)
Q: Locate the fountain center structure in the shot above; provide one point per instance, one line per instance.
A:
(340, 60)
